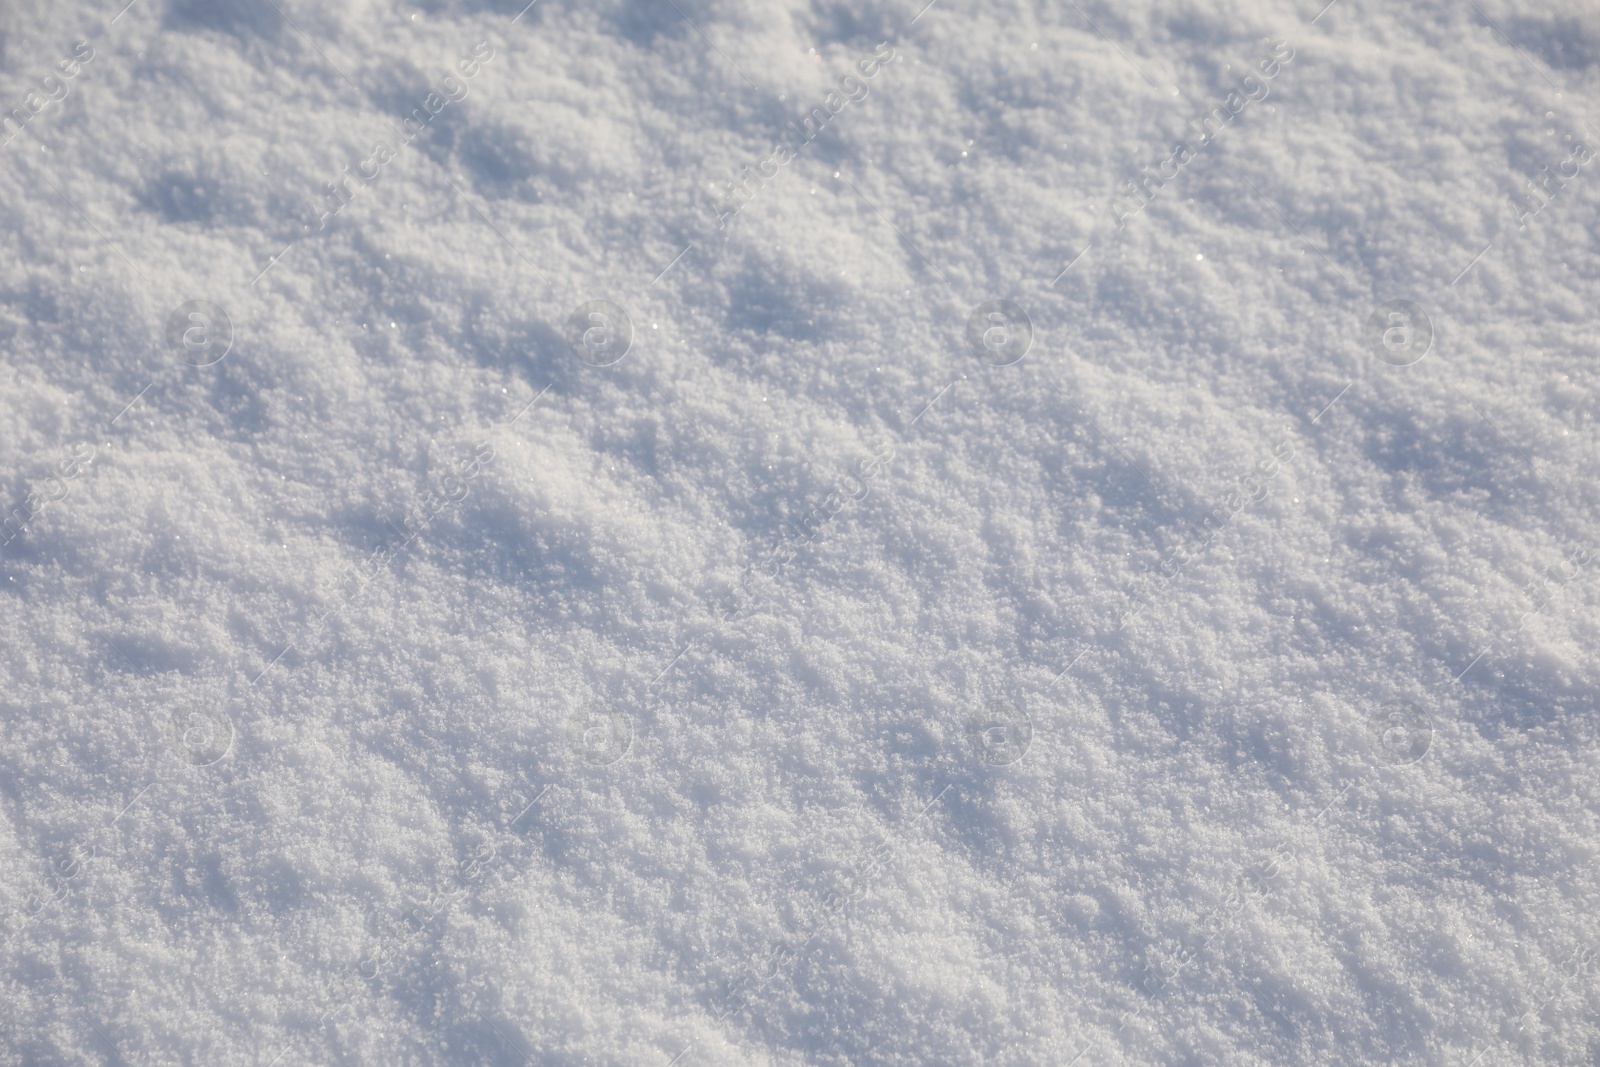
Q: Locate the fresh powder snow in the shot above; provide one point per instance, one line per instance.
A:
(691, 533)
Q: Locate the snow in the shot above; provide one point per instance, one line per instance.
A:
(1035, 576)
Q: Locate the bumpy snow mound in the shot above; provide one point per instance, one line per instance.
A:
(692, 533)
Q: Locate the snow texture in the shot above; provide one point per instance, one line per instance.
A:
(678, 532)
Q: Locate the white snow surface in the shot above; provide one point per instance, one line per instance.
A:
(804, 686)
